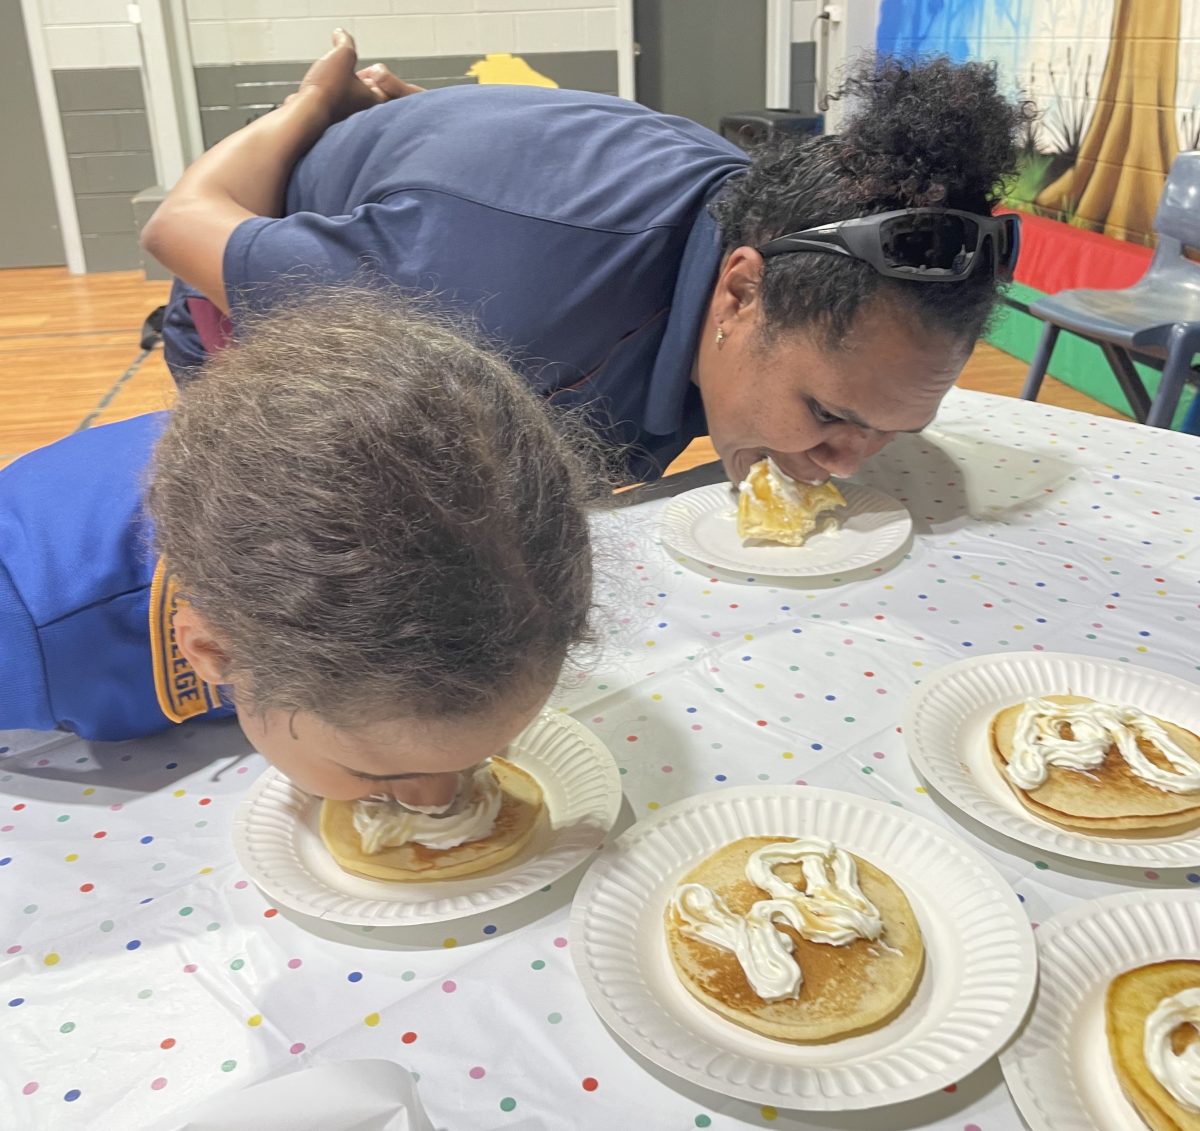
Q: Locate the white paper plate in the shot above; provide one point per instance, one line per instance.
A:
(1059, 1070)
(946, 732)
(278, 843)
(979, 974)
(703, 525)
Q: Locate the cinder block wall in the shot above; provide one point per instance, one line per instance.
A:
(231, 95)
(249, 54)
(108, 149)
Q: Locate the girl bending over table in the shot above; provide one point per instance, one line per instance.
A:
(361, 533)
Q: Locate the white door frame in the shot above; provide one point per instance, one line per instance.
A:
(169, 78)
(626, 74)
(185, 79)
(779, 55)
(850, 32)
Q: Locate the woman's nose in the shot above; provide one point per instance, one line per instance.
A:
(426, 791)
(844, 455)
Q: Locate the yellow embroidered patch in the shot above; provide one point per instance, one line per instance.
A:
(182, 694)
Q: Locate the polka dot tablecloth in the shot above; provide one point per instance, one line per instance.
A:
(142, 972)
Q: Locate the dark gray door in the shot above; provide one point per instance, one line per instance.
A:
(701, 58)
(29, 235)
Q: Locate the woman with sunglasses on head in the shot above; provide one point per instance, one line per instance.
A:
(808, 304)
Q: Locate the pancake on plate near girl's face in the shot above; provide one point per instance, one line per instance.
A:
(1131, 1000)
(1109, 799)
(521, 808)
(844, 990)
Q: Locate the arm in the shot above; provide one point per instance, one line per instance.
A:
(245, 174)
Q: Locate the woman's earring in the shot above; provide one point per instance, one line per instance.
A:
(720, 336)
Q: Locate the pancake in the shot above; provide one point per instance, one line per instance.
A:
(1110, 799)
(773, 507)
(521, 807)
(845, 989)
(1132, 997)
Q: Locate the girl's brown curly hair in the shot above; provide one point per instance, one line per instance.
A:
(375, 514)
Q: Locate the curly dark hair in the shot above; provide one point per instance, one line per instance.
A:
(918, 134)
(376, 515)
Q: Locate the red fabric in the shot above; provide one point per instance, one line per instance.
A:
(211, 324)
(1057, 257)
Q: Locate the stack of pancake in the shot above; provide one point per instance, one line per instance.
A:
(1104, 800)
(844, 990)
(521, 806)
(1151, 1016)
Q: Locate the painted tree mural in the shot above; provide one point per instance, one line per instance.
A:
(1117, 81)
(1130, 142)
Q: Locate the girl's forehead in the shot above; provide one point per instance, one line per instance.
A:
(418, 746)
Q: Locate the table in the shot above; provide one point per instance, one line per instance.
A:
(142, 972)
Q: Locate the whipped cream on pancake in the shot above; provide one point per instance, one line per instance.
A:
(779, 481)
(1179, 1073)
(832, 910)
(764, 953)
(388, 824)
(1039, 744)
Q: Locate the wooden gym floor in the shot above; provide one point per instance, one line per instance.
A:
(69, 359)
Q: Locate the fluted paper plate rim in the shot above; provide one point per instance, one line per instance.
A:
(978, 979)
(872, 526)
(1058, 1070)
(945, 734)
(276, 839)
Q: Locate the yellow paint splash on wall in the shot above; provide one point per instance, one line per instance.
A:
(509, 70)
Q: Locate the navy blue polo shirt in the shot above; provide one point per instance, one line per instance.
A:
(571, 227)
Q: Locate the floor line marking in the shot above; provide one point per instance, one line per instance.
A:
(108, 397)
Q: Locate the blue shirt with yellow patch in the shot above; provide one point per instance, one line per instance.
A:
(86, 643)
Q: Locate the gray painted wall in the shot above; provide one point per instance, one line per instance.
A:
(702, 59)
(29, 232)
(804, 77)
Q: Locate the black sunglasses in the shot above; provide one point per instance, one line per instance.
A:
(928, 245)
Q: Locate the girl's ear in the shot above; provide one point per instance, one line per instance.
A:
(200, 646)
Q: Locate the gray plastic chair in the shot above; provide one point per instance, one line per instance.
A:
(1157, 320)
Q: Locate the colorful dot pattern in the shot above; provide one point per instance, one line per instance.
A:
(147, 968)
